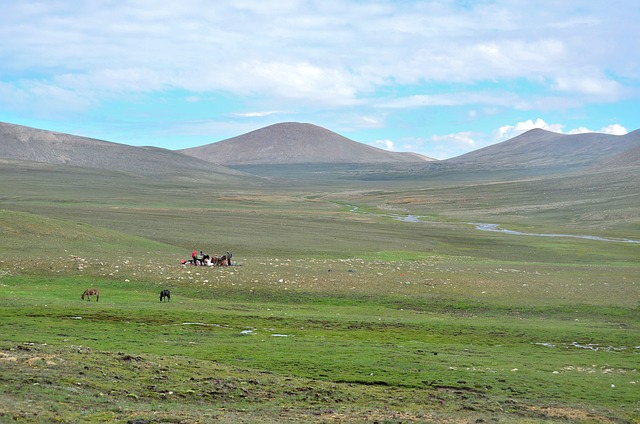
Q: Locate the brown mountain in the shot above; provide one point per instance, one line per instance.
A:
(29, 144)
(296, 143)
(546, 149)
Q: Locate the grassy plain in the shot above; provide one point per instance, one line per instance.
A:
(332, 313)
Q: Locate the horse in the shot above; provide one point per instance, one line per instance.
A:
(221, 261)
(91, 292)
(165, 294)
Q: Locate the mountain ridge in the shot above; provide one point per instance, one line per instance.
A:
(288, 144)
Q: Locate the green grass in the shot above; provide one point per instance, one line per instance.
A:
(450, 344)
(329, 315)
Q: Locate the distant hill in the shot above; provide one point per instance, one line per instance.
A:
(29, 144)
(296, 143)
(629, 158)
(541, 148)
(291, 150)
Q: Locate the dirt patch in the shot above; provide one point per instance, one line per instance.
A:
(570, 414)
(24, 355)
(36, 361)
(5, 357)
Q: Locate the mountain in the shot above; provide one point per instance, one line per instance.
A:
(295, 143)
(293, 149)
(628, 158)
(546, 149)
(29, 144)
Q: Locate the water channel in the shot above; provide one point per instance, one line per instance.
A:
(496, 228)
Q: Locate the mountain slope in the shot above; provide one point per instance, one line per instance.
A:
(541, 148)
(295, 143)
(30, 144)
(628, 158)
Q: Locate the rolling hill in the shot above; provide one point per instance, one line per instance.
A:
(545, 149)
(35, 145)
(296, 143)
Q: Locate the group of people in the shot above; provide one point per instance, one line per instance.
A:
(200, 259)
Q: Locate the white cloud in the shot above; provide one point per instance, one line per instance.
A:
(386, 144)
(464, 139)
(43, 99)
(115, 80)
(509, 131)
(258, 114)
(367, 121)
(299, 49)
(283, 82)
(601, 87)
(451, 145)
(615, 129)
(212, 129)
(579, 130)
(305, 81)
(489, 98)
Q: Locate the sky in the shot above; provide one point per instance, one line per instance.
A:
(436, 77)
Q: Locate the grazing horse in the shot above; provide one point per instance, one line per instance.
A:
(91, 292)
(165, 294)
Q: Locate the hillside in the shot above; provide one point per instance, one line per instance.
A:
(629, 158)
(41, 235)
(296, 143)
(35, 145)
(541, 148)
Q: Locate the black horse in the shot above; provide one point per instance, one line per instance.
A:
(165, 294)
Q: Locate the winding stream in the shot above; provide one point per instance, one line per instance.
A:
(496, 228)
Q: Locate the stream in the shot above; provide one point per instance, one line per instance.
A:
(496, 228)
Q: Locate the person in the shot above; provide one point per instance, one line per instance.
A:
(193, 256)
(229, 255)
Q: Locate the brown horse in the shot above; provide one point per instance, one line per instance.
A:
(91, 292)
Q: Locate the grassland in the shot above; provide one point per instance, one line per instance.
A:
(328, 315)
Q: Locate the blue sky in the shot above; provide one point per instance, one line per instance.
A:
(435, 77)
